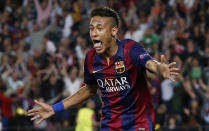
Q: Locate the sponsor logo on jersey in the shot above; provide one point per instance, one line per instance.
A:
(113, 85)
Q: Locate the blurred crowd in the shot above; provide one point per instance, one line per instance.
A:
(43, 45)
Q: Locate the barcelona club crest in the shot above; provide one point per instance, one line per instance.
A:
(119, 67)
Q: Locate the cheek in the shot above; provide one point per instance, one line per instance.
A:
(107, 36)
(90, 33)
(103, 34)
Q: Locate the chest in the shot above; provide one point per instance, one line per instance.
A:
(111, 68)
(113, 76)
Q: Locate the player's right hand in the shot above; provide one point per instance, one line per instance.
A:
(43, 112)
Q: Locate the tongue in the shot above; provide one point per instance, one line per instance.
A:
(98, 45)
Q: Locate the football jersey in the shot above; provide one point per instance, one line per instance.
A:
(127, 104)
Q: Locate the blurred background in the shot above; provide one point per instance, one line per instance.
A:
(43, 44)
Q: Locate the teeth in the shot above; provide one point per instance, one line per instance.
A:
(98, 45)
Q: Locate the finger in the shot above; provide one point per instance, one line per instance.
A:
(162, 59)
(40, 103)
(174, 73)
(34, 110)
(172, 79)
(31, 114)
(36, 117)
(172, 64)
(40, 121)
(174, 69)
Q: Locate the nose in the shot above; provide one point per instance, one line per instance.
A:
(94, 34)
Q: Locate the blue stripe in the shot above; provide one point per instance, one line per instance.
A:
(151, 128)
(88, 78)
(97, 64)
(106, 110)
(128, 114)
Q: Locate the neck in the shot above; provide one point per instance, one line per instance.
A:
(72, 79)
(111, 51)
(172, 126)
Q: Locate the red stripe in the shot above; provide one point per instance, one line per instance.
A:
(127, 48)
(141, 99)
(140, 108)
(141, 92)
(150, 105)
(91, 56)
(114, 98)
(102, 115)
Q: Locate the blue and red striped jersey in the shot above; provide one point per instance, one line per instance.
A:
(127, 104)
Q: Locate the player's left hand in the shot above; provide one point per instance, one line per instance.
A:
(168, 70)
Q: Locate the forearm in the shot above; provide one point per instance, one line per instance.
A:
(83, 94)
(37, 5)
(188, 88)
(153, 66)
(45, 111)
(49, 7)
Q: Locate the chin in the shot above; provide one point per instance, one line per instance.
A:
(100, 52)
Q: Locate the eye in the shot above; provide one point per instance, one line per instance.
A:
(100, 29)
(91, 28)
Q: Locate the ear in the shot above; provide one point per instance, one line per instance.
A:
(114, 31)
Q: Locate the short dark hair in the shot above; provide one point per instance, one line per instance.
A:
(106, 12)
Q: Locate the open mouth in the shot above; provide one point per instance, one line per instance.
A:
(97, 44)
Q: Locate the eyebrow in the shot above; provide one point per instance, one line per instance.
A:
(96, 25)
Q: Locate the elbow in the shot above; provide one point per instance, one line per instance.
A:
(93, 92)
(92, 89)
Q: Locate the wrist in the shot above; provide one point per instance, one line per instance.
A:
(58, 107)
(159, 71)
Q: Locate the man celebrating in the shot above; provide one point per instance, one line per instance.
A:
(118, 69)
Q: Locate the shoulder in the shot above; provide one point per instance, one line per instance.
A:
(89, 60)
(92, 51)
(91, 54)
(129, 44)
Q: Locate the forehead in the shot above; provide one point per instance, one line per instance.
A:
(100, 20)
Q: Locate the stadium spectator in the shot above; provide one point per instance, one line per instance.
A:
(43, 10)
(72, 81)
(86, 118)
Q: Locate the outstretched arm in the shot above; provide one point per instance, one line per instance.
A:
(45, 111)
(83, 94)
(162, 69)
(37, 5)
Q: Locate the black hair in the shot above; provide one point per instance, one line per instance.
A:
(46, 36)
(106, 12)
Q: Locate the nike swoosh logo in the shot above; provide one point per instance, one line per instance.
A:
(95, 71)
(142, 129)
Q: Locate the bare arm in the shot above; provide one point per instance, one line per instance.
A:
(45, 111)
(37, 5)
(83, 94)
(162, 69)
(153, 66)
(202, 84)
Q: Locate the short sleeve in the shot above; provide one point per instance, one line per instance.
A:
(139, 56)
(88, 77)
